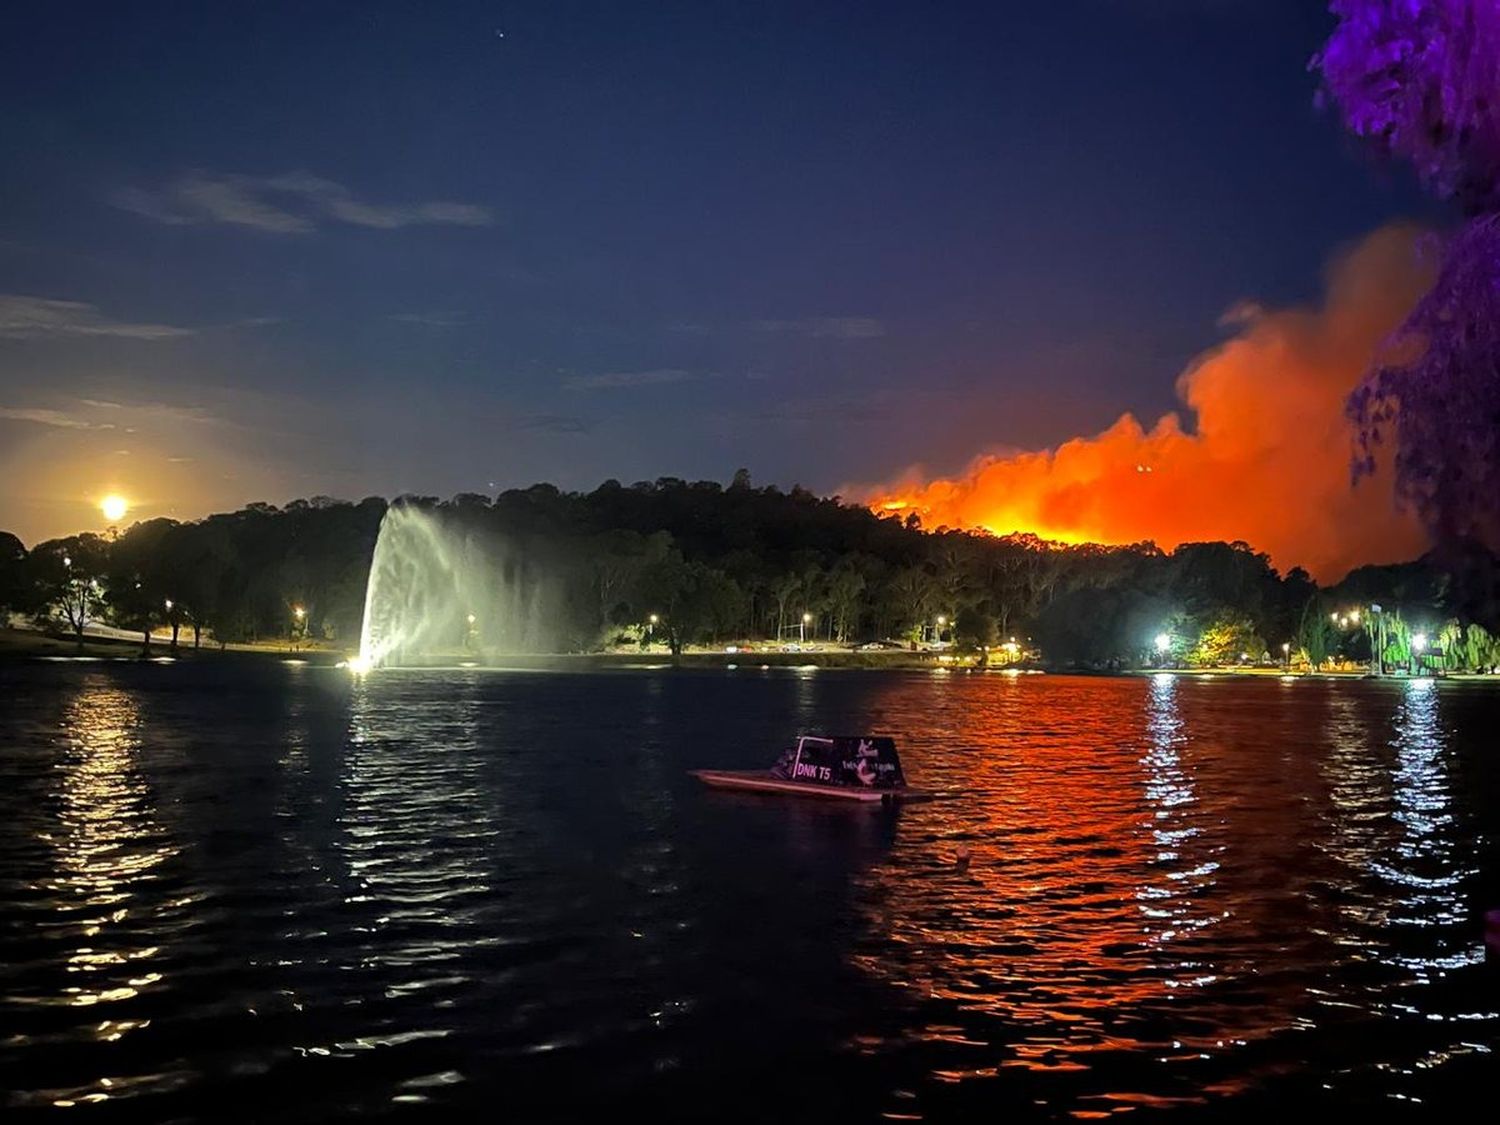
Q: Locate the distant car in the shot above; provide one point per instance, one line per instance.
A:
(879, 646)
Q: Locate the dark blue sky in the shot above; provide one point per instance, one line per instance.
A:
(371, 247)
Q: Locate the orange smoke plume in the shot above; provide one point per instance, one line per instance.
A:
(1266, 461)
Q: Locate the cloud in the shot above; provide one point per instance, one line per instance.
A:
(826, 327)
(437, 319)
(43, 416)
(1265, 457)
(554, 424)
(28, 318)
(290, 203)
(838, 411)
(617, 380)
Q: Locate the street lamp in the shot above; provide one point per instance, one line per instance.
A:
(1286, 653)
(168, 604)
(651, 627)
(802, 628)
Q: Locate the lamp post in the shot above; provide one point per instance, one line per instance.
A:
(1163, 643)
(651, 628)
(802, 628)
(1286, 654)
(937, 632)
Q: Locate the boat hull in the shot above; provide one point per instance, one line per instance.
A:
(763, 781)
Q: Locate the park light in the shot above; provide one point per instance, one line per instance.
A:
(1163, 642)
(114, 506)
(1286, 646)
(1354, 616)
(298, 612)
(472, 619)
(1335, 616)
(168, 604)
(1419, 642)
(67, 562)
(807, 619)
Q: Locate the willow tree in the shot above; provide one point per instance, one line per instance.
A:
(1420, 79)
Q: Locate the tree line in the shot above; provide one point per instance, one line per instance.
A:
(705, 563)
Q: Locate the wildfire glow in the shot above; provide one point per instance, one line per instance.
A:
(1266, 461)
(114, 506)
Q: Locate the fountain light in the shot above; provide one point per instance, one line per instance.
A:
(359, 665)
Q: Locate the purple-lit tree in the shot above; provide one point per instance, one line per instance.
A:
(1421, 79)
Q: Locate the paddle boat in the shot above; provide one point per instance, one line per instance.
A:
(847, 768)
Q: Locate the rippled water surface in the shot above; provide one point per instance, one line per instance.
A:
(246, 892)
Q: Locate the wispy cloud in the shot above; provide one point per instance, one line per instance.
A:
(619, 380)
(106, 414)
(826, 327)
(839, 411)
(439, 319)
(554, 424)
(290, 203)
(24, 318)
(57, 419)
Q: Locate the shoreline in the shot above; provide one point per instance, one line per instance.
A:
(25, 645)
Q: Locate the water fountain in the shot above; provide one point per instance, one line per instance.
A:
(442, 589)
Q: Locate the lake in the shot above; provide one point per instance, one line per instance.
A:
(239, 890)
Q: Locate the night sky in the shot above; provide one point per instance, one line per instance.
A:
(289, 250)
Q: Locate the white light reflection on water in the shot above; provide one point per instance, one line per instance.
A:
(107, 847)
(1427, 867)
(1182, 871)
(107, 844)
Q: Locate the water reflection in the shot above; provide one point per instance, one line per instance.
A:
(106, 915)
(1427, 866)
(1180, 875)
(299, 897)
(107, 845)
(1152, 897)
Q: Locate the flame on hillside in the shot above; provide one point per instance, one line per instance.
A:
(1266, 460)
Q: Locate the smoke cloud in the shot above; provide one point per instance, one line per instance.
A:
(1265, 456)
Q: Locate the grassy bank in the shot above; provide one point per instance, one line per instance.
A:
(30, 644)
